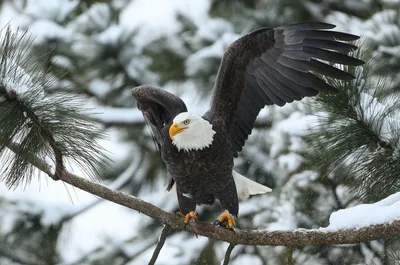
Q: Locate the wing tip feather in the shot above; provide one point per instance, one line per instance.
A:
(310, 25)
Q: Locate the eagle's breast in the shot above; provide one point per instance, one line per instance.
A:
(199, 171)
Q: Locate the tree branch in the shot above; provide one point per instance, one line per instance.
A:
(294, 238)
(228, 254)
(164, 233)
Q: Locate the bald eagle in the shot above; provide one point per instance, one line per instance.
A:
(265, 67)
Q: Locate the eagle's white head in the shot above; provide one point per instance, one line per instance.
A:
(191, 132)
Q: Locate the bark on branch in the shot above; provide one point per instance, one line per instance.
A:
(293, 239)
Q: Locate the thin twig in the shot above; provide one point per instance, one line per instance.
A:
(290, 259)
(49, 138)
(293, 238)
(164, 233)
(142, 249)
(228, 253)
(60, 168)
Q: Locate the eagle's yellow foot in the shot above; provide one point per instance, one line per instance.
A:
(228, 218)
(189, 216)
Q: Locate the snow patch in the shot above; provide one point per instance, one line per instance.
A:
(196, 62)
(285, 216)
(57, 11)
(297, 124)
(161, 17)
(364, 215)
(53, 199)
(290, 161)
(111, 35)
(97, 16)
(16, 78)
(99, 87)
(247, 259)
(53, 32)
(104, 224)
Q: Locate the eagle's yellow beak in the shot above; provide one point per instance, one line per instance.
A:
(175, 129)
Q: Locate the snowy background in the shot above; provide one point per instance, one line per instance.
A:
(107, 47)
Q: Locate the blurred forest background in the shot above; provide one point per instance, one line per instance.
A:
(318, 156)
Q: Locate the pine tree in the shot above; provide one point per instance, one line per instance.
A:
(318, 155)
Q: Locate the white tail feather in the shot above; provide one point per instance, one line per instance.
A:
(246, 187)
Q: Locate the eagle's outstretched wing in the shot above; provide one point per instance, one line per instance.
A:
(276, 66)
(159, 108)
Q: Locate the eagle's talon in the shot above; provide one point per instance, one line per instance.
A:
(226, 220)
(217, 223)
(220, 224)
(190, 216)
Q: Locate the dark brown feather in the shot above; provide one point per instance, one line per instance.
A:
(159, 108)
(276, 66)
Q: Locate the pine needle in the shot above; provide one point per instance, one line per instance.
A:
(50, 126)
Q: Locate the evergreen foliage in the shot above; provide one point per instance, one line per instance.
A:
(360, 133)
(46, 126)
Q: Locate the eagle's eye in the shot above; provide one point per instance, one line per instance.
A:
(186, 122)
